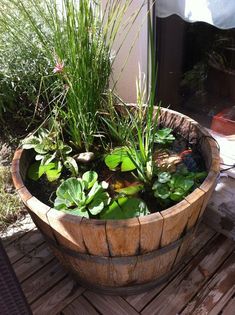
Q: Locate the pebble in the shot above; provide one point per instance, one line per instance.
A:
(85, 157)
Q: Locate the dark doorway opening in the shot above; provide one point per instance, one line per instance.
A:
(196, 68)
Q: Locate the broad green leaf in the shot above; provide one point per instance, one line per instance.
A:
(53, 174)
(130, 190)
(44, 168)
(90, 178)
(33, 171)
(96, 188)
(70, 187)
(127, 165)
(120, 156)
(125, 208)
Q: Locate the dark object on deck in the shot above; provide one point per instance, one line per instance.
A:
(12, 299)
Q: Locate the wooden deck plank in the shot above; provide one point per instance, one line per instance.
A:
(80, 306)
(192, 278)
(55, 300)
(28, 265)
(204, 235)
(108, 305)
(229, 307)
(216, 293)
(43, 280)
(17, 230)
(24, 245)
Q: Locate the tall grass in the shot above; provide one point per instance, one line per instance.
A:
(137, 131)
(77, 38)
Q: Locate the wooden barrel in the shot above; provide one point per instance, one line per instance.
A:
(132, 255)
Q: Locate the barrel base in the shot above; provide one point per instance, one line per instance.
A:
(127, 290)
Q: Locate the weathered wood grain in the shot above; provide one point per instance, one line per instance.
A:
(208, 186)
(24, 246)
(43, 280)
(94, 236)
(66, 229)
(190, 280)
(123, 237)
(216, 293)
(80, 306)
(229, 308)
(220, 212)
(196, 200)
(28, 265)
(38, 212)
(55, 300)
(175, 220)
(204, 236)
(107, 305)
(150, 232)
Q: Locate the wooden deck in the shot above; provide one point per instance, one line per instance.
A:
(205, 283)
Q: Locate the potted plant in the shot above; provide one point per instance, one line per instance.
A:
(117, 191)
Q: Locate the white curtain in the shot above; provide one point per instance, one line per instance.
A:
(220, 13)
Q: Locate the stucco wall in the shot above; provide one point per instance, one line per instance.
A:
(126, 86)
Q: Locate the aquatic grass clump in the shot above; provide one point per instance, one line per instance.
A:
(77, 37)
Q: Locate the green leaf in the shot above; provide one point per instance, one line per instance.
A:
(70, 190)
(71, 165)
(79, 212)
(131, 190)
(53, 174)
(30, 142)
(74, 193)
(40, 148)
(177, 195)
(90, 178)
(125, 208)
(164, 177)
(98, 204)
(164, 136)
(120, 156)
(127, 165)
(33, 171)
(161, 190)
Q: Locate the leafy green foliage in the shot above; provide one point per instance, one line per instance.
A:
(164, 136)
(52, 171)
(82, 196)
(131, 189)
(120, 156)
(174, 187)
(125, 208)
(51, 152)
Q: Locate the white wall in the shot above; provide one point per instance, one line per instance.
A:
(126, 86)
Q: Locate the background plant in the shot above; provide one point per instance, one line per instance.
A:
(22, 64)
